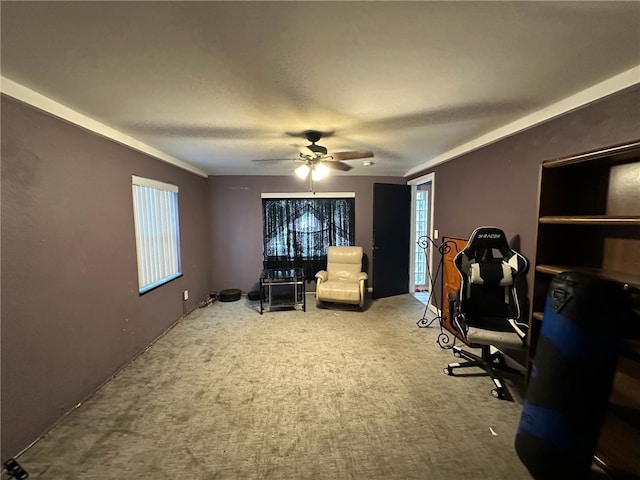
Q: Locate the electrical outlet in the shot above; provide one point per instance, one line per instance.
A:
(435, 233)
(185, 295)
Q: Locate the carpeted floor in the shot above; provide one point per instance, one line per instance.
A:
(322, 394)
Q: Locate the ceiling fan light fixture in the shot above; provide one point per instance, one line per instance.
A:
(315, 161)
(302, 171)
(319, 171)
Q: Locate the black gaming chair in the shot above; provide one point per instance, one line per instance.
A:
(486, 310)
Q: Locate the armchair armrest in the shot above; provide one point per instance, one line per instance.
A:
(322, 276)
(362, 277)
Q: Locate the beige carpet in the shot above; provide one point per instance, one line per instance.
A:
(322, 394)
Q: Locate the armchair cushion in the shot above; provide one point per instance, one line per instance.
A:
(337, 291)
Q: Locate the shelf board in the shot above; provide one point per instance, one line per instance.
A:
(613, 151)
(552, 269)
(633, 281)
(590, 220)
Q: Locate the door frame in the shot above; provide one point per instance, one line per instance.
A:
(428, 178)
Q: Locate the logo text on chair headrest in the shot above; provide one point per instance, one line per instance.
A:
(488, 235)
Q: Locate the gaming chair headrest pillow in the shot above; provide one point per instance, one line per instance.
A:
(491, 274)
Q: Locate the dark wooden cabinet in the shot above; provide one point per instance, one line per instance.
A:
(589, 220)
(451, 280)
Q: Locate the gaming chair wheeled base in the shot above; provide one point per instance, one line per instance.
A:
(489, 362)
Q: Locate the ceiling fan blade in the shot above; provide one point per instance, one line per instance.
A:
(313, 133)
(307, 152)
(351, 155)
(313, 150)
(337, 165)
(274, 160)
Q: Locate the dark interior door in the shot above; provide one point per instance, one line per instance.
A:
(391, 237)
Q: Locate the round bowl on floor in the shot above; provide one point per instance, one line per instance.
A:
(229, 295)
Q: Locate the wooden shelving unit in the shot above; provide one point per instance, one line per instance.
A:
(589, 220)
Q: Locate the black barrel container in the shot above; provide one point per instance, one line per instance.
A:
(571, 377)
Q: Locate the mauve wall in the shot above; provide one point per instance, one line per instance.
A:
(498, 184)
(236, 221)
(71, 313)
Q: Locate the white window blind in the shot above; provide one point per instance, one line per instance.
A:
(155, 211)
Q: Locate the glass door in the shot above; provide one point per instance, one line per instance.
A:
(420, 259)
(421, 228)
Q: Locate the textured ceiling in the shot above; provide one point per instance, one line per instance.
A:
(218, 84)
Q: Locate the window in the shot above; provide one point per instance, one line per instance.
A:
(155, 213)
(420, 260)
(297, 231)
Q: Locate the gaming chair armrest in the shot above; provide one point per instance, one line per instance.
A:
(452, 298)
(516, 326)
(457, 320)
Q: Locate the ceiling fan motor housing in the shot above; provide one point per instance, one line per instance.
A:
(313, 135)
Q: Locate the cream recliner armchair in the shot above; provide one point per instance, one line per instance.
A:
(342, 281)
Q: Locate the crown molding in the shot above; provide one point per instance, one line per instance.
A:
(589, 95)
(41, 102)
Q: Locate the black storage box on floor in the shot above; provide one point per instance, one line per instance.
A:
(254, 295)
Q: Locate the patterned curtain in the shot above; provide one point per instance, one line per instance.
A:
(297, 231)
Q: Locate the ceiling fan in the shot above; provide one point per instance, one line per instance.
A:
(316, 161)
